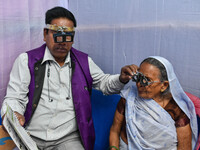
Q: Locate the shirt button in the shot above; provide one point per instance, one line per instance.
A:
(37, 86)
(36, 68)
(88, 119)
(34, 105)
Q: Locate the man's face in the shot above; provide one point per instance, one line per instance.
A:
(58, 50)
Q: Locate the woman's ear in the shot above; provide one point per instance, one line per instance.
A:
(164, 86)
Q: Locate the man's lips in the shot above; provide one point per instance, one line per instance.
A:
(61, 49)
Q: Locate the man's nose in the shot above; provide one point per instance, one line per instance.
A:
(62, 43)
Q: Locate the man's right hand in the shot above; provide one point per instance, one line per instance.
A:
(21, 118)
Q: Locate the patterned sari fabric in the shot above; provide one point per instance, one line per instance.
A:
(149, 126)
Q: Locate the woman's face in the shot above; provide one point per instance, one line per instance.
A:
(152, 91)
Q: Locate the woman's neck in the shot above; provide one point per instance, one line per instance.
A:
(163, 101)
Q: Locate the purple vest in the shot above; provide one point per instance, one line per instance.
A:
(81, 90)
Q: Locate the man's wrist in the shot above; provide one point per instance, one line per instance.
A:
(124, 82)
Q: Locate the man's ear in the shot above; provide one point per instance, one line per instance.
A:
(44, 34)
(73, 39)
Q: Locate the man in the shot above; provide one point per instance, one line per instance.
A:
(50, 87)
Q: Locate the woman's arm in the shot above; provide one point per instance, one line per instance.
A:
(184, 135)
(116, 128)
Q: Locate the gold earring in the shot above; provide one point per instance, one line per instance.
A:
(161, 90)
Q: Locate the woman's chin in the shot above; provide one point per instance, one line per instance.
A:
(143, 95)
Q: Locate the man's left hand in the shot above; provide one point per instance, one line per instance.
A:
(127, 72)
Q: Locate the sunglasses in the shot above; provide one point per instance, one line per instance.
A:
(61, 37)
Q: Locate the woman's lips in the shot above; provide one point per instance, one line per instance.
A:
(142, 91)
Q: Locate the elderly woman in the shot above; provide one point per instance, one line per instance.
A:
(155, 114)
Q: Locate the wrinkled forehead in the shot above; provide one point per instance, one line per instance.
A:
(60, 28)
(149, 70)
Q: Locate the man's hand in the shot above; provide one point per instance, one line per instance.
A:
(21, 118)
(127, 73)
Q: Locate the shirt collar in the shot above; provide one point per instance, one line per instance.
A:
(48, 57)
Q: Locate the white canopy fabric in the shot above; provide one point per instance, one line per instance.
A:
(116, 33)
(113, 32)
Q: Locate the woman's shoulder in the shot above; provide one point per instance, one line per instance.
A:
(121, 106)
(177, 114)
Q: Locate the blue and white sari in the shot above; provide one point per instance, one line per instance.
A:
(148, 125)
